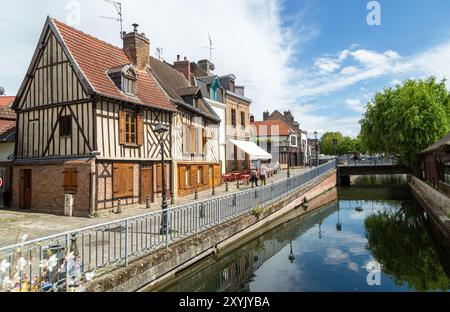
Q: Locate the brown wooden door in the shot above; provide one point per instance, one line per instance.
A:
(26, 189)
(147, 185)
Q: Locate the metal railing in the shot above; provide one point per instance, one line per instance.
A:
(368, 162)
(46, 264)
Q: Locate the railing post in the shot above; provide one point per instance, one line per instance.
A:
(126, 242)
(66, 263)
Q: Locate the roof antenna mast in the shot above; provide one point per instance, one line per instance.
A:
(118, 6)
(210, 48)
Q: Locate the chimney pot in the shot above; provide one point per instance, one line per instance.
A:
(185, 58)
(178, 58)
(135, 26)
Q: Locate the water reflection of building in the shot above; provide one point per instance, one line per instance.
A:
(233, 272)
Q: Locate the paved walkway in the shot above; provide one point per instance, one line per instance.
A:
(14, 224)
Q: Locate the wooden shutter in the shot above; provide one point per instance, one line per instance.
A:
(182, 177)
(158, 178)
(140, 129)
(206, 175)
(216, 175)
(122, 134)
(194, 176)
(123, 180)
(70, 180)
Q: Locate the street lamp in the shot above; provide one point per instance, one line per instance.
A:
(291, 255)
(161, 129)
(317, 148)
(288, 150)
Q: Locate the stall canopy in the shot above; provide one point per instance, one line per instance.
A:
(254, 151)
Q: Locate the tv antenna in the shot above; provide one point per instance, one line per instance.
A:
(118, 6)
(210, 48)
(159, 53)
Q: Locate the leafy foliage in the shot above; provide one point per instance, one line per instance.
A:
(346, 145)
(406, 119)
(400, 241)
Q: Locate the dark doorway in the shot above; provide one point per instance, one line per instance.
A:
(26, 189)
(147, 184)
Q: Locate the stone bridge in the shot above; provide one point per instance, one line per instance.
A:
(346, 169)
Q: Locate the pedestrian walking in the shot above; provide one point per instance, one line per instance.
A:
(254, 177)
(263, 175)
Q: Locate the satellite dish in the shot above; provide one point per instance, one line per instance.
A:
(2, 90)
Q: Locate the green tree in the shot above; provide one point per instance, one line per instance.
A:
(406, 119)
(326, 142)
(399, 240)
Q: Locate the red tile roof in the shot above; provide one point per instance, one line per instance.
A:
(6, 100)
(271, 127)
(96, 57)
(5, 107)
(7, 129)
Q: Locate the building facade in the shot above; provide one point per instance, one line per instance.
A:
(195, 129)
(7, 136)
(436, 165)
(302, 154)
(213, 94)
(86, 118)
(237, 124)
(277, 139)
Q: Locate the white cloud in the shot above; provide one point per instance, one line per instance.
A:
(395, 82)
(327, 65)
(355, 105)
(248, 36)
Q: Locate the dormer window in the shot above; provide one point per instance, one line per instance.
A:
(125, 79)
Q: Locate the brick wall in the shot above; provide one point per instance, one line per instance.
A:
(47, 189)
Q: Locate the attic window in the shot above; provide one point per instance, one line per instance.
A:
(125, 79)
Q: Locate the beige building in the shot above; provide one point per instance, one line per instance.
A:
(237, 123)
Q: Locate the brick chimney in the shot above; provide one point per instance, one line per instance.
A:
(137, 47)
(252, 118)
(183, 67)
(207, 66)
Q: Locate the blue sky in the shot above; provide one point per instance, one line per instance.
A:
(318, 58)
(410, 30)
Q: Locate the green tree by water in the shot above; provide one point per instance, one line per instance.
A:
(345, 145)
(406, 119)
(400, 242)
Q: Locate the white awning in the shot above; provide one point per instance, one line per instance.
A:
(254, 151)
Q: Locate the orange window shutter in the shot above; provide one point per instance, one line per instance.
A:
(73, 179)
(140, 129)
(182, 177)
(158, 178)
(205, 174)
(66, 179)
(130, 179)
(122, 134)
(194, 176)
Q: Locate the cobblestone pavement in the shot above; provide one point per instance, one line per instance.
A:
(14, 224)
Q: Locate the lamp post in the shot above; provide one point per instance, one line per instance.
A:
(291, 254)
(287, 149)
(161, 129)
(317, 149)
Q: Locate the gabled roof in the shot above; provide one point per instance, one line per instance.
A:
(92, 58)
(264, 128)
(176, 86)
(7, 130)
(445, 141)
(5, 107)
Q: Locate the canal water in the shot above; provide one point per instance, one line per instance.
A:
(339, 247)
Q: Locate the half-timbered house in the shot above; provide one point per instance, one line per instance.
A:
(195, 129)
(85, 127)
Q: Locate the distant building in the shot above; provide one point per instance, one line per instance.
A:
(7, 136)
(275, 137)
(303, 153)
(436, 164)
